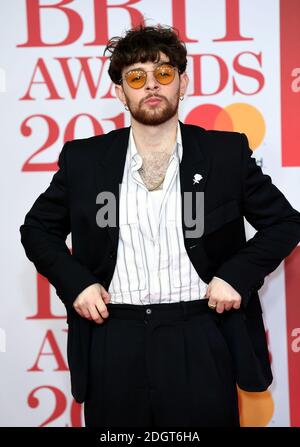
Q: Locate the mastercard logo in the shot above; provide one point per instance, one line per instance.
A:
(237, 117)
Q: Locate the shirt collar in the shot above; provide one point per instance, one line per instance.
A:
(135, 157)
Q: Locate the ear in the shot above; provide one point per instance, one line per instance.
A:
(184, 82)
(120, 93)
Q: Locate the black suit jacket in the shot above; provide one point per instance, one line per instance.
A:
(233, 185)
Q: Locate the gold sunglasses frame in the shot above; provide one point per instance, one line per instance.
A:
(147, 71)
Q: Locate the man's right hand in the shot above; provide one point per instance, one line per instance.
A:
(90, 303)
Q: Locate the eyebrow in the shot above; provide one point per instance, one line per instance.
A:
(156, 65)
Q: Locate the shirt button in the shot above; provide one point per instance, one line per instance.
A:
(148, 311)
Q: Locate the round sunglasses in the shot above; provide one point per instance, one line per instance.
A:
(164, 74)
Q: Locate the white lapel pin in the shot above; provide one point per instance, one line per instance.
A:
(197, 178)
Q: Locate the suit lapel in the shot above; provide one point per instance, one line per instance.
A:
(109, 175)
(194, 161)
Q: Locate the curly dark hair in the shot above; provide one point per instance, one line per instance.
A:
(143, 44)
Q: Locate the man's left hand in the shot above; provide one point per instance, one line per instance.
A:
(223, 295)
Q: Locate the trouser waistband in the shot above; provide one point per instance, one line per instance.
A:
(159, 311)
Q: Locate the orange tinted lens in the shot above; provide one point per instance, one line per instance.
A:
(164, 74)
(136, 78)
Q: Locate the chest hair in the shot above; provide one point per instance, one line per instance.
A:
(154, 168)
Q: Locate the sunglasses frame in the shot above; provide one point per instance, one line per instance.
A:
(148, 71)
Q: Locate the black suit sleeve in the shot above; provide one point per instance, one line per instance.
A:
(44, 233)
(277, 224)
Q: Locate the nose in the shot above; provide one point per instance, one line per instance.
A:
(151, 82)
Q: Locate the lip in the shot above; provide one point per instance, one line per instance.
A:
(153, 100)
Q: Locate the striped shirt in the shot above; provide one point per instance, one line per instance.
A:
(152, 263)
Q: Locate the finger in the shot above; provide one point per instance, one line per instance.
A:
(102, 309)
(106, 298)
(220, 308)
(86, 313)
(207, 293)
(79, 311)
(227, 306)
(104, 293)
(237, 305)
(95, 314)
(212, 304)
(83, 313)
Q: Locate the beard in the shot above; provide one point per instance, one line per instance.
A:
(153, 116)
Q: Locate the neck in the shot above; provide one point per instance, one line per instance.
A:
(160, 138)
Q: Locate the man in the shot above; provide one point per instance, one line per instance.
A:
(163, 321)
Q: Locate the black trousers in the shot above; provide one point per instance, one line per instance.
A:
(160, 365)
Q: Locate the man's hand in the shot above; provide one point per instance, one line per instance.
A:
(90, 303)
(222, 294)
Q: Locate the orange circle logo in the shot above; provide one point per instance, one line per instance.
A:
(237, 117)
(256, 409)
